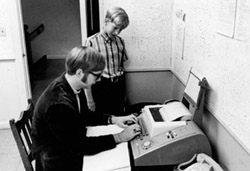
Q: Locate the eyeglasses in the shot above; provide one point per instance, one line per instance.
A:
(96, 75)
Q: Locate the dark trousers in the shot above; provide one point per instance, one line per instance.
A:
(109, 95)
(49, 161)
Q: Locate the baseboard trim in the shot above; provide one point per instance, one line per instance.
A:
(40, 61)
(133, 70)
(4, 125)
(56, 56)
(182, 81)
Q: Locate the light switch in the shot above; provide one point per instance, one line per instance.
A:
(2, 32)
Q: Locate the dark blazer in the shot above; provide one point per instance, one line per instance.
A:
(59, 127)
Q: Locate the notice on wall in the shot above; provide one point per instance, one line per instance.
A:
(242, 27)
(179, 34)
(225, 14)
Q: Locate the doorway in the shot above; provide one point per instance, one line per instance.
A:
(55, 27)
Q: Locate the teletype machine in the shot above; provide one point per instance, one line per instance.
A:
(170, 131)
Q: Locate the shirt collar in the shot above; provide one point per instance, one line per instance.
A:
(74, 90)
(107, 38)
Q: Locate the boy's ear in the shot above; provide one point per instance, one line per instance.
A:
(107, 20)
(79, 72)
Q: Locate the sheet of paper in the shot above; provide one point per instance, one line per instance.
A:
(225, 14)
(242, 28)
(179, 33)
(192, 89)
(175, 110)
(116, 159)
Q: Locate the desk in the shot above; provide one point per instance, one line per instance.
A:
(116, 159)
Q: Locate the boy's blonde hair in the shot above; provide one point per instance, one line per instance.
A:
(118, 16)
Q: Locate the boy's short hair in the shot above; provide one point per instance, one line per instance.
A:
(86, 58)
(118, 16)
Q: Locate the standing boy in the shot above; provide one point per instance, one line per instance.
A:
(108, 95)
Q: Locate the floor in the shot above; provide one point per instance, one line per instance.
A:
(10, 159)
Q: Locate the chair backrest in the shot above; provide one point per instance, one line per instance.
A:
(21, 130)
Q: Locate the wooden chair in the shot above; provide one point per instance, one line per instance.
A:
(21, 130)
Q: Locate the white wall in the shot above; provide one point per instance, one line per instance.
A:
(14, 87)
(224, 61)
(148, 36)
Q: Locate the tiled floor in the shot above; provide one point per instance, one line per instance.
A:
(9, 156)
(10, 159)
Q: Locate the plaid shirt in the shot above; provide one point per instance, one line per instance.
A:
(113, 49)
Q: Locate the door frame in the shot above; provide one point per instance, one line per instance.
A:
(84, 21)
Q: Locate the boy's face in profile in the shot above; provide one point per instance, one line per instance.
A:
(112, 29)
